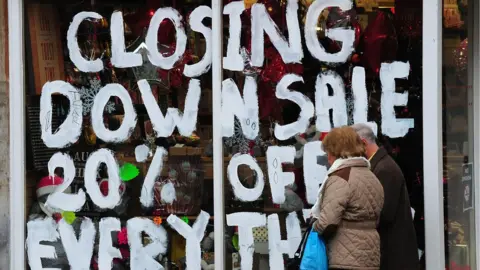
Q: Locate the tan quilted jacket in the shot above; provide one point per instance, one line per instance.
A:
(349, 213)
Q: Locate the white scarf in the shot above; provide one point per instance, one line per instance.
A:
(337, 164)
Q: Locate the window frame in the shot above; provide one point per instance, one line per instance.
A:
(432, 134)
(16, 60)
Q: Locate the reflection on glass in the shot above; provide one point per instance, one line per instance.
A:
(175, 162)
(458, 143)
(381, 34)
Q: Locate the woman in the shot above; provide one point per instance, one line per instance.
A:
(349, 204)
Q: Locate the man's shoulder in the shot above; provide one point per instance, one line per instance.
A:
(387, 165)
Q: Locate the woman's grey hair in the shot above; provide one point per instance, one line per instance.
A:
(365, 132)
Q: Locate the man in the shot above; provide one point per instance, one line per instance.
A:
(398, 244)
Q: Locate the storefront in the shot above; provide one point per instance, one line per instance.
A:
(131, 119)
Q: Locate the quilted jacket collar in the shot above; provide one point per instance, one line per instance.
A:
(348, 163)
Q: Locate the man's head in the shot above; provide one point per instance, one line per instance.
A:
(368, 138)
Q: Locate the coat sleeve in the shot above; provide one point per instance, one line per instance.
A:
(393, 184)
(334, 202)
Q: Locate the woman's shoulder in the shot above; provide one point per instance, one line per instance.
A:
(363, 180)
(362, 171)
(364, 175)
(349, 174)
(343, 173)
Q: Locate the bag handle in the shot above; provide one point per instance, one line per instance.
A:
(301, 247)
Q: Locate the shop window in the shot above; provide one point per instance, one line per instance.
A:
(120, 114)
(101, 130)
(458, 135)
(310, 92)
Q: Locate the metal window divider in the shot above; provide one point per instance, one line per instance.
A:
(432, 134)
(217, 141)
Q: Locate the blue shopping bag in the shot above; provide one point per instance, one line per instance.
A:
(315, 253)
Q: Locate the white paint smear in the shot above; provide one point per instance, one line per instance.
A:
(141, 153)
(246, 109)
(128, 122)
(278, 247)
(246, 222)
(146, 195)
(291, 52)
(234, 61)
(71, 128)
(360, 108)
(324, 102)
(196, 18)
(307, 213)
(106, 251)
(76, 57)
(155, 57)
(143, 256)
(391, 126)
(345, 36)
(314, 174)
(206, 266)
(165, 125)
(168, 193)
(58, 199)
(276, 155)
(79, 252)
(240, 191)
(91, 169)
(285, 132)
(41, 230)
(193, 235)
(120, 58)
(294, 233)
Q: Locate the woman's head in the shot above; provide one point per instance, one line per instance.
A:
(343, 142)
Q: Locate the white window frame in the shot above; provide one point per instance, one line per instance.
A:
(16, 61)
(217, 140)
(432, 134)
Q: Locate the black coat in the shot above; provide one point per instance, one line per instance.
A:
(398, 244)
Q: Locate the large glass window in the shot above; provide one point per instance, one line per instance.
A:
(458, 133)
(119, 123)
(351, 81)
(125, 127)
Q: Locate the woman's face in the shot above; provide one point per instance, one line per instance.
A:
(331, 159)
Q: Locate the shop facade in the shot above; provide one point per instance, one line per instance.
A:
(131, 119)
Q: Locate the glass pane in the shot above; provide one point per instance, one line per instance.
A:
(158, 169)
(458, 136)
(362, 84)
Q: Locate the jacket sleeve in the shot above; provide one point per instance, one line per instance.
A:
(393, 184)
(334, 202)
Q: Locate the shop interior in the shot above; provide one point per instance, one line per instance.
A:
(385, 31)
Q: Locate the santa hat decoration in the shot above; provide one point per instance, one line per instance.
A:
(49, 184)
(46, 186)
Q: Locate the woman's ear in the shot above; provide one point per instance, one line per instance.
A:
(331, 159)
